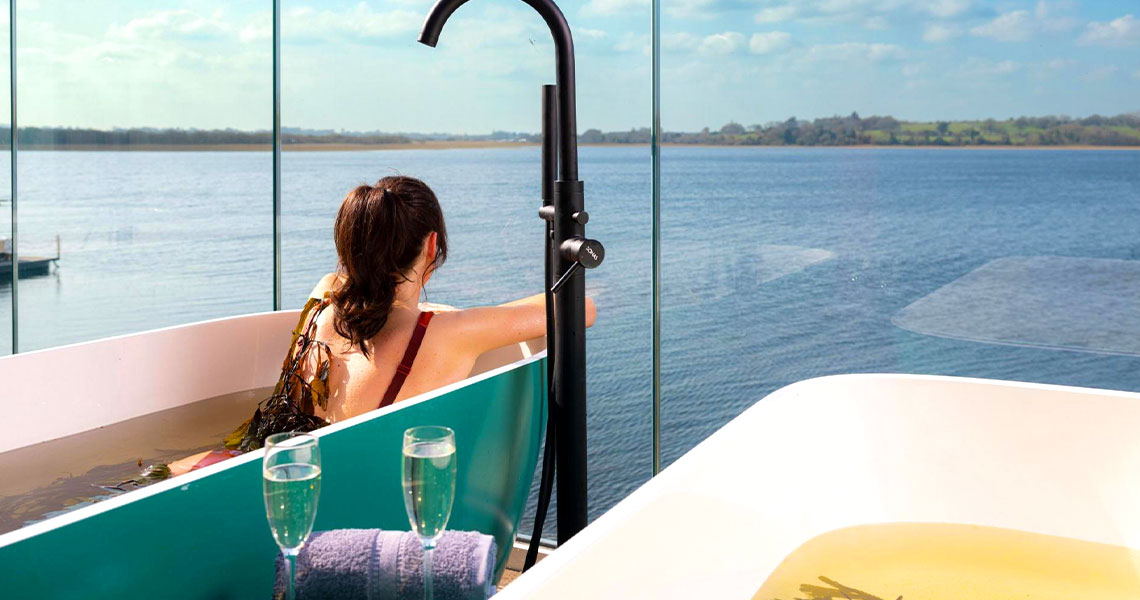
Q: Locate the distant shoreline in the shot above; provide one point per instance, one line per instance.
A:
(469, 145)
(424, 145)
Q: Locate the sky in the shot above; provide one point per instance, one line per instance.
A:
(355, 65)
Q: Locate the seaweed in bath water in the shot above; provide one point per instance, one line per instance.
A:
(294, 398)
(291, 405)
(835, 591)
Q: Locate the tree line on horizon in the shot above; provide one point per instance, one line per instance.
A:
(851, 130)
(45, 137)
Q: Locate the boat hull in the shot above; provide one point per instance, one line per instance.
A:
(32, 266)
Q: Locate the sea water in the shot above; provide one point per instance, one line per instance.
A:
(778, 264)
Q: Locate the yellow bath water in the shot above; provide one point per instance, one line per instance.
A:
(922, 561)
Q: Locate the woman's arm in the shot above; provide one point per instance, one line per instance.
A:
(489, 327)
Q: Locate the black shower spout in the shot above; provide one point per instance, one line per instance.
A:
(564, 69)
(569, 255)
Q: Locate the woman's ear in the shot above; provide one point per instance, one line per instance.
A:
(431, 247)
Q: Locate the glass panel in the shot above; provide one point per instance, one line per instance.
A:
(361, 100)
(144, 161)
(917, 247)
(6, 282)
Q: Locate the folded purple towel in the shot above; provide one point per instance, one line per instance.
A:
(372, 564)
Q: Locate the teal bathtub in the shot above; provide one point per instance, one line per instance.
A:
(204, 535)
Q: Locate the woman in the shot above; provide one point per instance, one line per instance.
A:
(377, 344)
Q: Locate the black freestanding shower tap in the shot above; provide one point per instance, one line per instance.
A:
(567, 251)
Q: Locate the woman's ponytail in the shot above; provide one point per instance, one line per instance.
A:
(380, 232)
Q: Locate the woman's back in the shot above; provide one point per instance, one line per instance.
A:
(450, 345)
(358, 383)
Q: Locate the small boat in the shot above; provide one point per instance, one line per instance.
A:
(30, 266)
(203, 534)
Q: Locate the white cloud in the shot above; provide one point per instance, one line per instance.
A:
(692, 9)
(913, 69)
(981, 67)
(936, 33)
(1060, 63)
(589, 34)
(613, 7)
(682, 9)
(257, 31)
(1100, 73)
(881, 52)
(719, 44)
(855, 51)
(171, 24)
(876, 23)
(769, 42)
(359, 23)
(948, 8)
(1013, 26)
(1055, 16)
(680, 40)
(776, 14)
(1136, 74)
(635, 42)
(872, 14)
(1124, 31)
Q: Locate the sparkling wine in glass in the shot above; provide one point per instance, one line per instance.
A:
(291, 478)
(429, 487)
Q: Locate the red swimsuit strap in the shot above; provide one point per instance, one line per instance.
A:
(409, 357)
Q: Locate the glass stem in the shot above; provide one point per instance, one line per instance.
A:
(291, 591)
(429, 548)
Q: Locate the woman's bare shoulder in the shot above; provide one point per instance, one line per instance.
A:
(437, 308)
(328, 283)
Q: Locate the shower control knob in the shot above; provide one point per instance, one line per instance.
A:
(581, 217)
(588, 253)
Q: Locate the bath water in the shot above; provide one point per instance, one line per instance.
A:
(53, 477)
(950, 561)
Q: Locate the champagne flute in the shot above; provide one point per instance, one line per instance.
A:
(429, 487)
(291, 481)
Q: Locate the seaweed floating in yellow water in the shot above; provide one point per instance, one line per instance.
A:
(835, 592)
(952, 561)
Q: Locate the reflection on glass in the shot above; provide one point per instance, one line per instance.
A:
(143, 147)
(361, 100)
(834, 178)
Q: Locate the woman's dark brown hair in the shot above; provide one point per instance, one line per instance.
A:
(380, 231)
